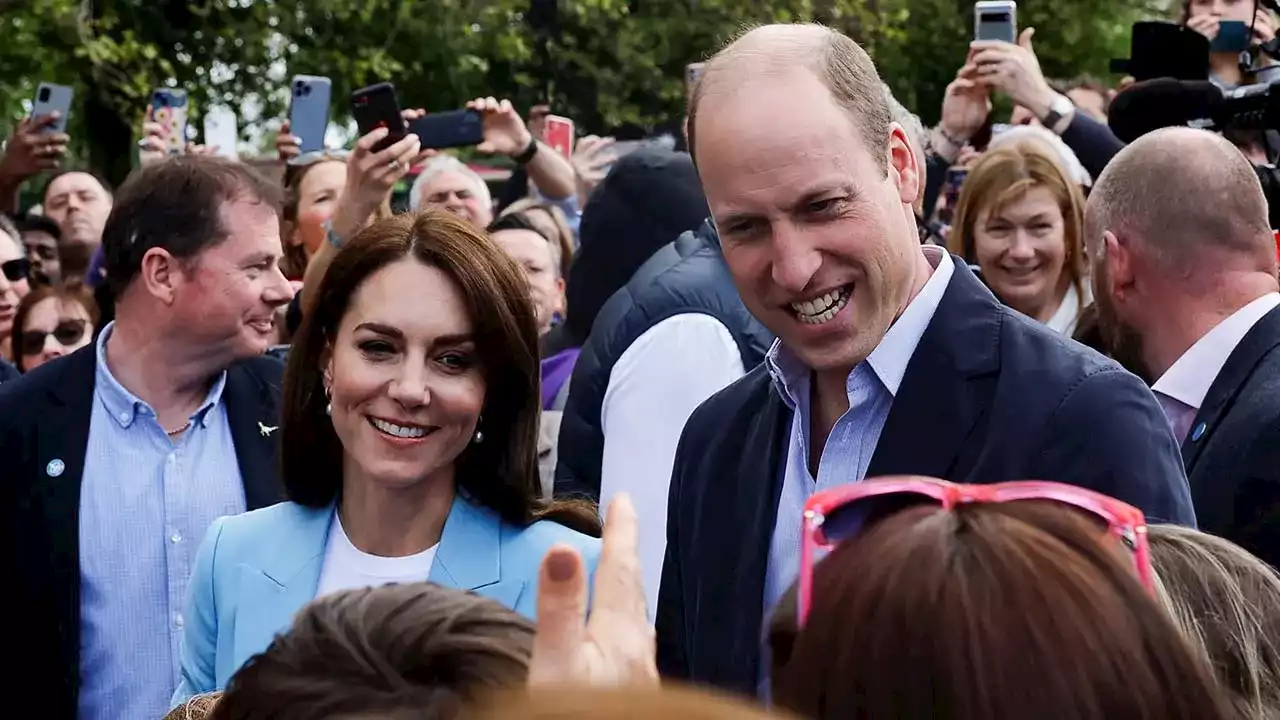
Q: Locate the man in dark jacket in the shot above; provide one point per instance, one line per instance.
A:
(891, 359)
(1191, 284)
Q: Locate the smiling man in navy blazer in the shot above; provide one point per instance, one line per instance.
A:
(892, 358)
(118, 458)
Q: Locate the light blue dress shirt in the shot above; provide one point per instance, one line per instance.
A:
(145, 503)
(871, 387)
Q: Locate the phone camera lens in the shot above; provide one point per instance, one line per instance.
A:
(44, 94)
(306, 90)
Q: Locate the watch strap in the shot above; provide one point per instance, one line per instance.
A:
(527, 154)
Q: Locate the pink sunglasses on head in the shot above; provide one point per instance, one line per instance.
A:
(835, 515)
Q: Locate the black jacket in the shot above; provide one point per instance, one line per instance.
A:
(687, 276)
(46, 415)
(988, 396)
(1233, 462)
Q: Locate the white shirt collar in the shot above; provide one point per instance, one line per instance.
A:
(1188, 379)
(889, 359)
(1068, 313)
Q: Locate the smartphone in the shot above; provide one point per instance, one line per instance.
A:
(995, 20)
(50, 98)
(376, 106)
(169, 108)
(220, 130)
(1233, 37)
(559, 135)
(455, 128)
(309, 110)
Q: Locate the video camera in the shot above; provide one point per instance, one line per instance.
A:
(1171, 64)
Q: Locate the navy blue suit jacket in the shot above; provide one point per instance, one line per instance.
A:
(988, 396)
(46, 415)
(1234, 464)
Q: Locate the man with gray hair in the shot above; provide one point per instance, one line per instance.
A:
(811, 186)
(447, 183)
(1185, 279)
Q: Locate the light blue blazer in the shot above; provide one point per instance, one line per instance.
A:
(254, 571)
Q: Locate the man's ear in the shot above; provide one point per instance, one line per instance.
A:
(902, 165)
(162, 274)
(1117, 253)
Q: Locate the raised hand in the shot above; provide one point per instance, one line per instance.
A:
(615, 645)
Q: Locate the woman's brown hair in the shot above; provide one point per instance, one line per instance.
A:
(380, 652)
(989, 612)
(1003, 175)
(70, 292)
(502, 473)
(1227, 604)
(626, 703)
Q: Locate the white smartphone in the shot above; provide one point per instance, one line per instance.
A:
(220, 130)
(50, 97)
(995, 20)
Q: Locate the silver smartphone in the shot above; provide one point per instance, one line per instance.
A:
(309, 110)
(995, 20)
(50, 98)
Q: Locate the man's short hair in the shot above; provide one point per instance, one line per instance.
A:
(383, 650)
(31, 222)
(176, 205)
(44, 192)
(442, 164)
(1182, 192)
(841, 64)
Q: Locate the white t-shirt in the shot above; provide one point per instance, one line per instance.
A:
(346, 567)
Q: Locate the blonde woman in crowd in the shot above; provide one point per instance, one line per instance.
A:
(1019, 219)
(1227, 603)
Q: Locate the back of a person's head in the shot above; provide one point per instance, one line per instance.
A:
(646, 201)
(989, 612)
(382, 652)
(668, 702)
(1191, 201)
(1227, 603)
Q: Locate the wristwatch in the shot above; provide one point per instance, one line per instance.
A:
(527, 154)
(1059, 107)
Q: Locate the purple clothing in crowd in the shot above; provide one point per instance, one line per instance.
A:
(556, 370)
(93, 277)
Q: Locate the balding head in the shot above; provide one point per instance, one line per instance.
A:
(1188, 199)
(843, 67)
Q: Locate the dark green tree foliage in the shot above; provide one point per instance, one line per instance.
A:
(606, 63)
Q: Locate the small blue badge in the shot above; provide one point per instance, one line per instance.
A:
(1198, 432)
(55, 467)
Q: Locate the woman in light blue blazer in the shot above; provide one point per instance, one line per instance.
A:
(409, 447)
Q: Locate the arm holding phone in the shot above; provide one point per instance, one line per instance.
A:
(370, 177)
(506, 134)
(33, 148)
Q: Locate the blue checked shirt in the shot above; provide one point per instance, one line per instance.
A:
(871, 387)
(145, 503)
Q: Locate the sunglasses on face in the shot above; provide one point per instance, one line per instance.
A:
(15, 270)
(839, 514)
(67, 333)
